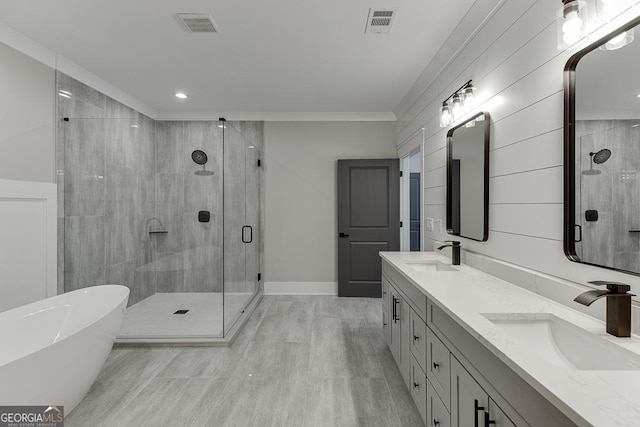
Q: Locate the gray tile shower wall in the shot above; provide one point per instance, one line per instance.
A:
(106, 162)
(192, 250)
(609, 188)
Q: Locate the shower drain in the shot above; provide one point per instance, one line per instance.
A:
(181, 312)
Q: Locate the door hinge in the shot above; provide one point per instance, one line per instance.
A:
(400, 224)
(259, 163)
(259, 277)
(400, 174)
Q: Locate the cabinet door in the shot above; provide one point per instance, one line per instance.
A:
(419, 388)
(386, 327)
(405, 339)
(394, 321)
(498, 418)
(419, 339)
(468, 400)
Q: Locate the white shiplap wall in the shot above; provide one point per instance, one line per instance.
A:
(518, 72)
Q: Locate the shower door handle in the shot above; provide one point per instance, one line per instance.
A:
(250, 234)
(579, 227)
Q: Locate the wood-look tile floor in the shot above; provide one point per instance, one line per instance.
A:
(299, 361)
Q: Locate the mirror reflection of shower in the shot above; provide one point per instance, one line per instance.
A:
(200, 158)
(597, 157)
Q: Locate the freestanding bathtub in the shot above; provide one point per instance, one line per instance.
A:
(51, 351)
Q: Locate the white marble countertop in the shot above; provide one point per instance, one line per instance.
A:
(588, 397)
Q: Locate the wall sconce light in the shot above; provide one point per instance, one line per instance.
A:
(572, 21)
(462, 100)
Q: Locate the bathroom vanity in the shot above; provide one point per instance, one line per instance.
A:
(475, 350)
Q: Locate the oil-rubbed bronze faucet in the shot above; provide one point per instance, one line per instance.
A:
(618, 305)
(455, 251)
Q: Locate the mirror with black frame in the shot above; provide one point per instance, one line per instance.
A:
(468, 178)
(602, 153)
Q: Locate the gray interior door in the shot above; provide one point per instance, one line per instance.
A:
(368, 222)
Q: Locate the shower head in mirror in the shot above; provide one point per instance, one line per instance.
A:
(199, 157)
(601, 156)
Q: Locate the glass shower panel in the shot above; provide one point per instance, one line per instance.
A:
(253, 160)
(140, 206)
(236, 231)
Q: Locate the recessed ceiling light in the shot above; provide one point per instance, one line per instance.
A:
(135, 126)
(181, 95)
(64, 93)
(251, 147)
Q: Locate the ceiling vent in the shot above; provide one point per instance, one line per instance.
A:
(197, 23)
(380, 20)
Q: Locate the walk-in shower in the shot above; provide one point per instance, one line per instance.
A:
(163, 207)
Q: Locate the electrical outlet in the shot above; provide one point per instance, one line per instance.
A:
(429, 224)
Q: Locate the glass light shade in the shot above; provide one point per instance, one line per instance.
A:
(469, 94)
(621, 40)
(572, 21)
(457, 107)
(445, 116)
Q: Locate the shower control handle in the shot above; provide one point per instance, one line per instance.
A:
(247, 227)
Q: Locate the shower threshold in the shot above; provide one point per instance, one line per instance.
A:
(154, 319)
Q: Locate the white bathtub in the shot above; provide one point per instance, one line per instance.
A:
(51, 351)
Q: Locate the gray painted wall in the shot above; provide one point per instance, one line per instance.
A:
(301, 192)
(27, 125)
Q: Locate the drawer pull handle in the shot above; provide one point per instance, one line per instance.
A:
(487, 421)
(435, 422)
(436, 365)
(416, 338)
(415, 385)
(476, 408)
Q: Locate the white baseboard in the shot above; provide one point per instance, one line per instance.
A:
(301, 288)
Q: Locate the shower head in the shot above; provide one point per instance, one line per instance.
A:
(199, 156)
(601, 156)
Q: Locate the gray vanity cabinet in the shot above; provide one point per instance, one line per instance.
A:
(470, 404)
(448, 372)
(399, 340)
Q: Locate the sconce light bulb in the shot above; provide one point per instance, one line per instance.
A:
(456, 106)
(572, 22)
(445, 116)
(469, 98)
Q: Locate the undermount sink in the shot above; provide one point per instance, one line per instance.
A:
(430, 266)
(561, 343)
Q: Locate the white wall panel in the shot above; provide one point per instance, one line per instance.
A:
(27, 242)
(518, 73)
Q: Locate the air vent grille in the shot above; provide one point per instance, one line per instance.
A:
(380, 20)
(197, 23)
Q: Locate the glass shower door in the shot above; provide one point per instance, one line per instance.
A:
(242, 245)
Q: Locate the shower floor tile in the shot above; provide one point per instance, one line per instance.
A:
(155, 316)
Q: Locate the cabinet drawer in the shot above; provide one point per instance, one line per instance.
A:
(437, 414)
(418, 339)
(415, 298)
(439, 367)
(419, 388)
